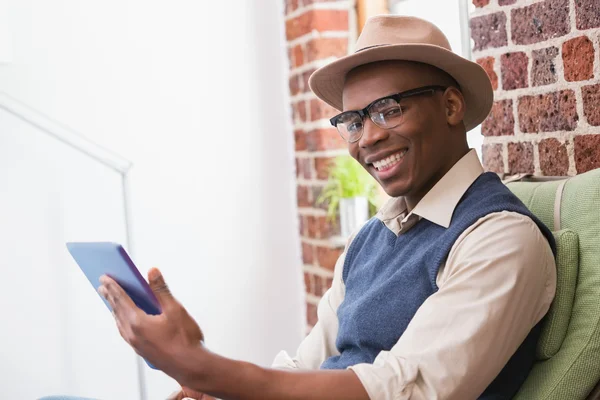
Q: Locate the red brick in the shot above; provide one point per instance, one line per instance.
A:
(319, 20)
(591, 102)
(302, 195)
(320, 228)
(290, 6)
(487, 64)
(543, 69)
(514, 70)
(501, 121)
(300, 140)
(291, 56)
(294, 85)
(328, 257)
(311, 314)
(320, 48)
(489, 31)
(305, 76)
(308, 254)
(302, 225)
(492, 158)
(548, 112)
(324, 139)
(298, 55)
(506, 2)
(318, 287)
(578, 59)
(587, 153)
(520, 158)
(299, 111)
(322, 165)
(303, 168)
(481, 3)
(540, 21)
(321, 110)
(308, 282)
(587, 14)
(554, 159)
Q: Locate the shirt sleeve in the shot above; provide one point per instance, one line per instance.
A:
(319, 345)
(496, 285)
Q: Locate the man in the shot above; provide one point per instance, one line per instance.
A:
(440, 296)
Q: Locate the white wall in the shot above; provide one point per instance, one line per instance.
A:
(194, 93)
(446, 15)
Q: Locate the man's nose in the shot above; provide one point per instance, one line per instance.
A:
(372, 134)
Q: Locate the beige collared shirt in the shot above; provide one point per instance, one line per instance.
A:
(496, 284)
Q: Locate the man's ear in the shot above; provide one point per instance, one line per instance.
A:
(454, 103)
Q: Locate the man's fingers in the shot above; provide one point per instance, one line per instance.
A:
(124, 309)
(159, 287)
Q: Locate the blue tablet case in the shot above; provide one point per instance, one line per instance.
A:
(103, 258)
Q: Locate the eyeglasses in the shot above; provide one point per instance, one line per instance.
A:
(385, 112)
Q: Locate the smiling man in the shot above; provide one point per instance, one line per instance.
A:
(440, 295)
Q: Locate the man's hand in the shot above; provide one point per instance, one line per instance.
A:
(160, 339)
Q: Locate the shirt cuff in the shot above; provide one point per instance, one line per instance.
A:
(284, 361)
(388, 378)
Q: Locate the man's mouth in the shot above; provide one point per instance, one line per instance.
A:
(390, 161)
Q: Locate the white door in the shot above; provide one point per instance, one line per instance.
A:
(56, 336)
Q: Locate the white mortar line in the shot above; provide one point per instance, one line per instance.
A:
(537, 170)
(571, 154)
(319, 242)
(314, 125)
(596, 42)
(515, 108)
(322, 154)
(319, 271)
(505, 157)
(303, 96)
(508, 28)
(310, 211)
(493, 7)
(334, 5)
(314, 34)
(582, 123)
(312, 65)
(313, 300)
(572, 15)
(311, 182)
(511, 48)
(498, 71)
(538, 137)
(546, 89)
(353, 27)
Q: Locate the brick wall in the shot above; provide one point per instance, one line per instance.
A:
(317, 32)
(544, 61)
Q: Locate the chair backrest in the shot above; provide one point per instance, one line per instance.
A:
(568, 365)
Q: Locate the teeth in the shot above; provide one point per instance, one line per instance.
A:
(389, 161)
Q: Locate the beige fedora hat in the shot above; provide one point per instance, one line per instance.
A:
(392, 37)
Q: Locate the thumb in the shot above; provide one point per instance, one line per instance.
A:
(159, 287)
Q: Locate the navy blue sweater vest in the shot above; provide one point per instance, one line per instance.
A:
(388, 277)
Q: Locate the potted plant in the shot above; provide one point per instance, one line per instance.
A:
(352, 191)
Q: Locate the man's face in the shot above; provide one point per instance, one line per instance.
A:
(416, 153)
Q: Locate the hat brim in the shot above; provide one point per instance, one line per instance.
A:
(328, 82)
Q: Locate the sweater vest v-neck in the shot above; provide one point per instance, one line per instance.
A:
(388, 277)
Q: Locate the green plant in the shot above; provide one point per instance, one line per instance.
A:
(347, 178)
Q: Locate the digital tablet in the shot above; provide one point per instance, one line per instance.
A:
(103, 258)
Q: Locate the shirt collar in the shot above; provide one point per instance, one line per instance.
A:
(439, 203)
